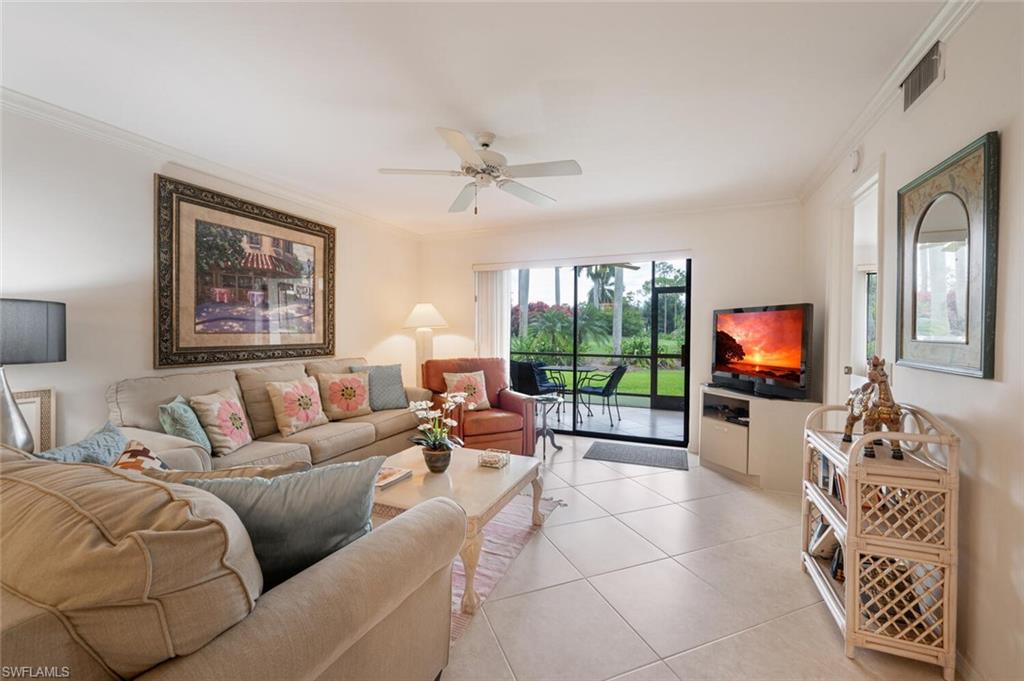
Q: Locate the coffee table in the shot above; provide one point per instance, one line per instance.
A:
(481, 492)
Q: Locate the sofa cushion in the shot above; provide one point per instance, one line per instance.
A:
(137, 457)
(127, 562)
(263, 453)
(386, 388)
(296, 404)
(271, 471)
(102, 447)
(345, 395)
(329, 440)
(494, 368)
(135, 402)
(490, 421)
(472, 385)
(335, 365)
(298, 519)
(389, 422)
(223, 419)
(178, 418)
(253, 381)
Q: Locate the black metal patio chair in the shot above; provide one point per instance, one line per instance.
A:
(606, 387)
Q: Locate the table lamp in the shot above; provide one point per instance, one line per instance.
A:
(31, 332)
(424, 318)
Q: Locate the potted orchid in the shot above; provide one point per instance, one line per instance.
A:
(435, 430)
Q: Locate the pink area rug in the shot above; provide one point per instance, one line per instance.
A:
(504, 537)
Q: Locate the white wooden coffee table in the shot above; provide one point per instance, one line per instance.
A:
(481, 492)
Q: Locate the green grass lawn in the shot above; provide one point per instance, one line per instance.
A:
(638, 381)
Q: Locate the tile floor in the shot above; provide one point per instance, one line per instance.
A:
(636, 421)
(654, 575)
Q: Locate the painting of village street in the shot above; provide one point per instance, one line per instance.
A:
(248, 282)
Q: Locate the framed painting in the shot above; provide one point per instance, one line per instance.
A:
(237, 281)
(947, 255)
(39, 407)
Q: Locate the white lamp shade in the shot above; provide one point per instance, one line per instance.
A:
(424, 315)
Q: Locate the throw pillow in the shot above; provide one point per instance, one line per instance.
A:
(386, 388)
(473, 385)
(178, 419)
(223, 420)
(298, 519)
(137, 457)
(271, 471)
(345, 395)
(102, 447)
(296, 404)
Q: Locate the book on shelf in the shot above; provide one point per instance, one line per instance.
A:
(837, 565)
(824, 542)
(824, 473)
(390, 475)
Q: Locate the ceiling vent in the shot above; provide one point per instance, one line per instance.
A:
(927, 72)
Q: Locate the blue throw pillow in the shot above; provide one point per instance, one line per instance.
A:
(298, 519)
(178, 419)
(386, 388)
(103, 447)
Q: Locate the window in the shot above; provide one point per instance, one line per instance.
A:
(871, 296)
(255, 240)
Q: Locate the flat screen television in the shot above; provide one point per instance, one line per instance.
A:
(764, 350)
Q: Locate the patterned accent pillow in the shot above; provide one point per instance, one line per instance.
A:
(137, 457)
(271, 471)
(223, 419)
(296, 404)
(473, 385)
(386, 388)
(178, 419)
(102, 447)
(345, 395)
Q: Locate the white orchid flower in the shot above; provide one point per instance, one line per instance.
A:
(451, 422)
(425, 426)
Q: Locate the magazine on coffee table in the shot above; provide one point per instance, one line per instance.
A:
(389, 475)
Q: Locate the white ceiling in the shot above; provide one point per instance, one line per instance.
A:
(666, 106)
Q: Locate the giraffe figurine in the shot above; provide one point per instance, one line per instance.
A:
(873, 402)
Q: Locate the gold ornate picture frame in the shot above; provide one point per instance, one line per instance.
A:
(237, 281)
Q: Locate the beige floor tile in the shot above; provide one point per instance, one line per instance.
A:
(670, 607)
(622, 495)
(582, 472)
(659, 671)
(674, 530)
(802, 645)
(565, 632)
(601, 545)
(552, 481)
(743, 569)
(687, 485)
(578, 507)
(538, 566)
(755, 510)
(476, 656)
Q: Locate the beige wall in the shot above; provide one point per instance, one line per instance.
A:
(77, 226)
(983, 91)
(741, 256)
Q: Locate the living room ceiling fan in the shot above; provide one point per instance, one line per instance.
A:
(486, 167)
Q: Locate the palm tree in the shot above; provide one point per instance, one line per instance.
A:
(558, 289)
(524, 302)
(620, 286)
(600, 276)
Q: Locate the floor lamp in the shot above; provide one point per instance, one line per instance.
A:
(424, 318)
(31, 332)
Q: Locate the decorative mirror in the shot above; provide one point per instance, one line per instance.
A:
(947, 261)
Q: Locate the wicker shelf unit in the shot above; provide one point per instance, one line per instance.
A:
(894, 523)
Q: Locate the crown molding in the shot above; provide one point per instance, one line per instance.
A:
(31, 107)
(943, 25)
(585, 220)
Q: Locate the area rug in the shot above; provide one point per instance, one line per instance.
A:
(643, 455)
(504, 537)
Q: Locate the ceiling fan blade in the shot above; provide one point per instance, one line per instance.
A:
(525, 193)
(461, 146)
(464, 198)
(415, 171)
(546, 169)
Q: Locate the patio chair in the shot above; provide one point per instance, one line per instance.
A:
(606, 387)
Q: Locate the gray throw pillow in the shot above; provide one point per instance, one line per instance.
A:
(298, 519)
(386, 388)
(102, 447)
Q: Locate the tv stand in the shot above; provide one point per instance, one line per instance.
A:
(756, 439)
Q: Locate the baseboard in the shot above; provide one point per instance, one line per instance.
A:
(966, 670)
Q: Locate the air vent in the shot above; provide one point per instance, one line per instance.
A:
(927, 72)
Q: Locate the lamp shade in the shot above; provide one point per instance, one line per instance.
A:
(31, 332)
(424, 315)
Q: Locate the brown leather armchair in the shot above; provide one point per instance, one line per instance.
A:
(508, 424)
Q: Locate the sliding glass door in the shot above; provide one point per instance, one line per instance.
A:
(613, 338)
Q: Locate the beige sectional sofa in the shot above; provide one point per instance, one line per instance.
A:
(134, 407)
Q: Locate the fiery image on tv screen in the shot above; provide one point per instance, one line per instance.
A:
(762, 344)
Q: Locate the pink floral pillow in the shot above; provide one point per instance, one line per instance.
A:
(345, 395)
(472, 384)
(296, 405)
(223, 418)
